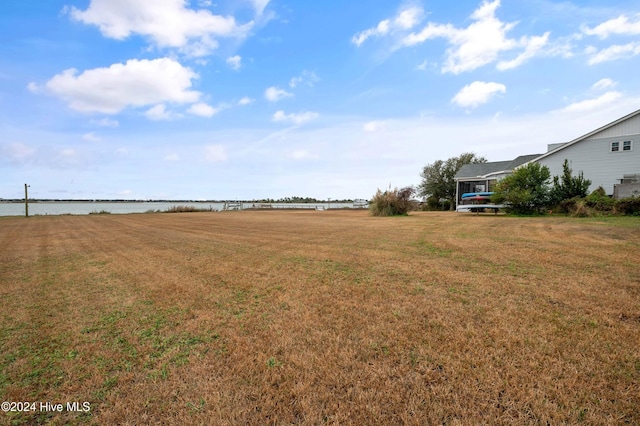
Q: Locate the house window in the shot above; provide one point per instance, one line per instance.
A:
(621, 146)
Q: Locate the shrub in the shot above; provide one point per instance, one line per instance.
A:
(184, 209)
(599, 201)
(568, 186)
(396, 202)
(580, 209)
(628, 206)
(436, 204)
(526, 191)
(568, 206)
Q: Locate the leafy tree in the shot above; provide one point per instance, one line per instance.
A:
(437, 178)
(568, 186)
(526, 191)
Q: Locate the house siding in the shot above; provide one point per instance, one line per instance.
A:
(594, 158)
(630, 126)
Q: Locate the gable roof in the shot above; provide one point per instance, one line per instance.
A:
(482, 170)
(588, 135)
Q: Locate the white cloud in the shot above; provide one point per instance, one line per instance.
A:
(274, 94)
(215, 153)
(172, 157)
(133, 84)
(613, 53)
(477, 93)
(158, 113)
(203, 110)
(605, 83)
(299, 118)
(245, 101)
(260, 5)
(33, 87)
(617, 26)
(533, 45)
(372, 126)
(105, 122)
(16, 152)
(167, 23)
(422, 66)
(235, 62)
(301, 154)
(307, 77)
(480, 43)
(404, 20)
(91, 137)
(593, 104)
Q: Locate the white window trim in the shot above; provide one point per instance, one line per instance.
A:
(620, 146)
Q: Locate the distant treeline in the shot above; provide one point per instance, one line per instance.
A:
(301, 200)
(265, 200)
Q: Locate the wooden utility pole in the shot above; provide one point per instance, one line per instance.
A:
(26, 201)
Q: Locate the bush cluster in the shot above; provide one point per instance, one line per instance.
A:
(598, 203)
(392, 202)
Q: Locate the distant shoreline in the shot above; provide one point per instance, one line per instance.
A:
(51, 200)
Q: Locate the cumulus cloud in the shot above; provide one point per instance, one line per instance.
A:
(166, 23)
(135, 83)
(274, 94)
(613, 53)
(203, 110)
(299, 118)
(215, 153)
(477, 93)
(617, 26)
(593, 104)
(532, 47)
(404, 20)
(235, 62)
(308, 78)
(245, 101)
(158, 113)
(480, 43)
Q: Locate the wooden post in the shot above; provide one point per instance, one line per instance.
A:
(26, 201)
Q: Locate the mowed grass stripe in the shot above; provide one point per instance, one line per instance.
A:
(321, 318)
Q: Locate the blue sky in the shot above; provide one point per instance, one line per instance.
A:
(248, 99)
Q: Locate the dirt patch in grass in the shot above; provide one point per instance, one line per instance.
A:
(329, 317)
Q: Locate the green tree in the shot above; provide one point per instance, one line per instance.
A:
(526, 191)
(437, 178)
(568, 186)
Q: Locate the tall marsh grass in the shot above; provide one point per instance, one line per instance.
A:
(392, 202)
(186, 209)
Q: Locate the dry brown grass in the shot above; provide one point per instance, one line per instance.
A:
(321, 318)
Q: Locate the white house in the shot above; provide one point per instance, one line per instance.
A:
(608, 156)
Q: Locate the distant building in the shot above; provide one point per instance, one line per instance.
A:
(608, 156)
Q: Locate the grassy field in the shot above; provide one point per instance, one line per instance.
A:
(321, 317)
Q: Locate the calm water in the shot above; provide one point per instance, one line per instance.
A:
(68, 207)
